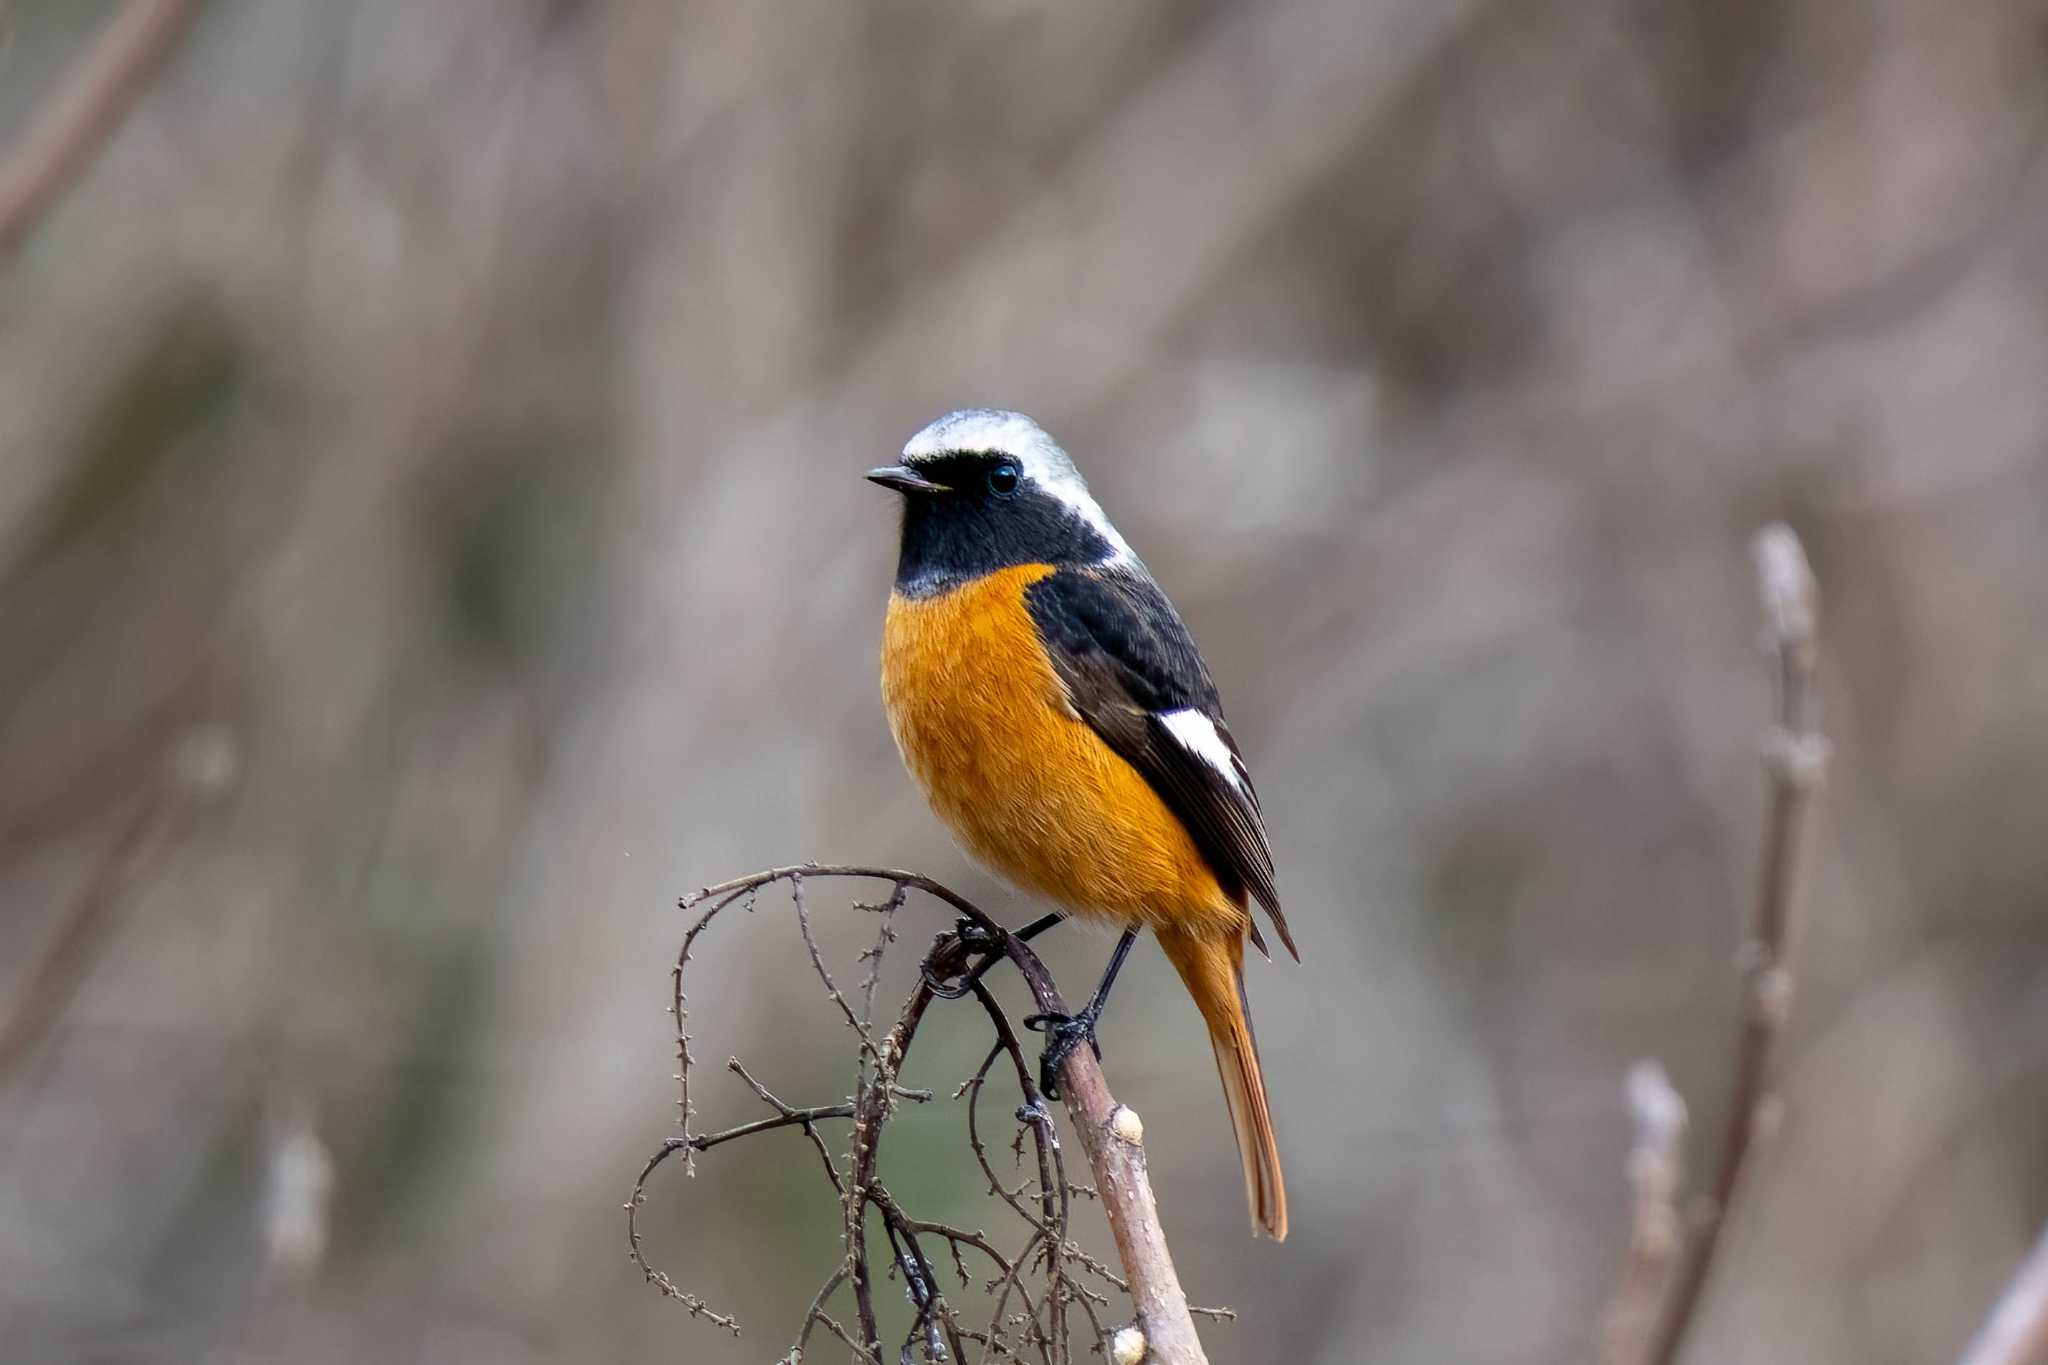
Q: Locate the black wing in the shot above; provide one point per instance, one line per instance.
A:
(1128, 664)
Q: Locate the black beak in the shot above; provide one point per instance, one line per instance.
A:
(903, 479)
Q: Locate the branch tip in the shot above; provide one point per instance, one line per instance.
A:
(1786, 584)
(1658, 1108)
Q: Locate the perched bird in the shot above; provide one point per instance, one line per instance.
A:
(1050, 701)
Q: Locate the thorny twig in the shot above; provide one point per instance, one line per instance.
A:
(1795, 758)
(1038, 1330)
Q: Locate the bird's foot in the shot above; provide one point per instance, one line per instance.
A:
(977, 937)
(972, 937)
(1063, 1033)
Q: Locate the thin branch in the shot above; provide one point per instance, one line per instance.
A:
(806, 1117)
(1013, 1269)
(818, 1317)
(679, 1010)
(2017, 1332)
(1055, 1201)
(96, 93)
(932, 1321)
(658, 1278)
(52, 981)
(202, 766)
(832, 991)
(1795, 759)
(867, 1118)
(1114, 1144)
(884, 936)
(793, 1118)
(1656, 1171)
(911, 881)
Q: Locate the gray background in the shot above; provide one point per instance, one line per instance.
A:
(433, 540)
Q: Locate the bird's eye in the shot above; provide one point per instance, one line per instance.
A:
(1002, 480)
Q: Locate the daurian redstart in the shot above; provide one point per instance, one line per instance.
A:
(1049, 699)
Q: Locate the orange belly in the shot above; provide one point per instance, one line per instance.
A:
(984, 724)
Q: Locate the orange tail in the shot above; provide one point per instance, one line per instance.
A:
(1213, 971)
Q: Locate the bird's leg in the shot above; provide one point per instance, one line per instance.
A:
(1065, 1032)
(975, 938)
(1039, 926)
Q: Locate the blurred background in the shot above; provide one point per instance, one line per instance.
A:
(432, 540)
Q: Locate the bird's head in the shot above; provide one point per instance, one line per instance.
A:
(985, 490)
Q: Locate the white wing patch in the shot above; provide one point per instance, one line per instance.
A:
(1042, 460)
(1197, 734)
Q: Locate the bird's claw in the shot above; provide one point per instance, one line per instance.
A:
(973, 937)
(1063, 1033)
(977, 937)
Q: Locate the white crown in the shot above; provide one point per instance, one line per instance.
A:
(992, 431)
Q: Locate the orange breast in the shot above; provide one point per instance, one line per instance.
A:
(984, 724)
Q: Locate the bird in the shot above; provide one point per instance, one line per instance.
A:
(1053, 707)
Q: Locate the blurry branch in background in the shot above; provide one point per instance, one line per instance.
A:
(95, 93)
(202, 766)
(1021, 1325)
(1656, 1171)
(1639, 1332)
(2017, 1333)
(298, 1195)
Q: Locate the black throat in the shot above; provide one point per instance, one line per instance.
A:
(957, 536)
